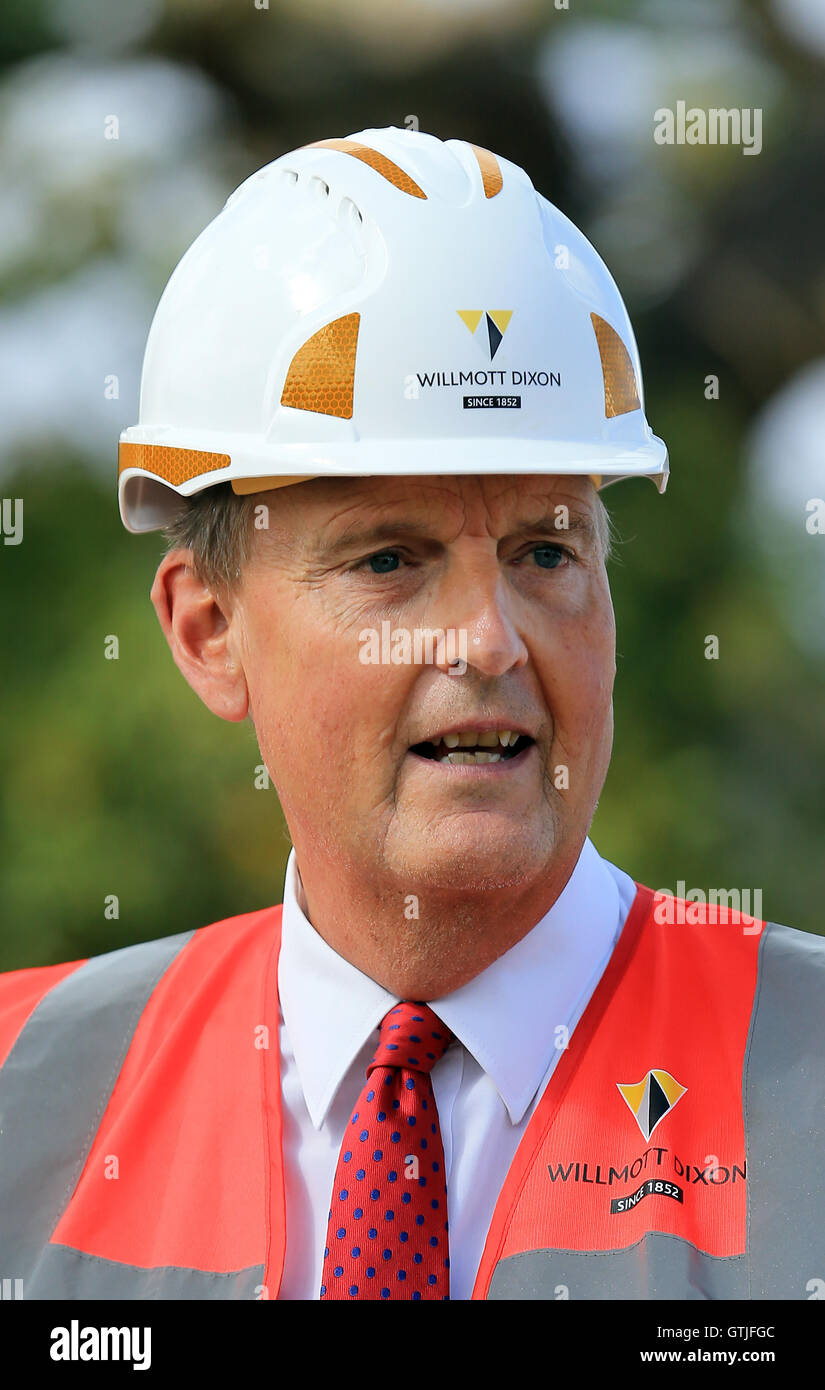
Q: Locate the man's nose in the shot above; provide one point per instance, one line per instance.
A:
(475, 602)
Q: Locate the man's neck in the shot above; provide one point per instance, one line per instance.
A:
(423, 945)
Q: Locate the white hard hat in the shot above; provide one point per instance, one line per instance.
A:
(388, 303)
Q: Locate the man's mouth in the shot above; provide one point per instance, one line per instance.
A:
(472, 746)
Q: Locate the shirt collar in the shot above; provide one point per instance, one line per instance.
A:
(330, 1007)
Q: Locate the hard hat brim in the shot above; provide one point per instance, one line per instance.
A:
(150, 495)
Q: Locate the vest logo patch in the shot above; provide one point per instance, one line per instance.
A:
(650, 1099)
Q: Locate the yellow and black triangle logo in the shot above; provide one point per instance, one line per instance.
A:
(497, 321)
(650, 1099)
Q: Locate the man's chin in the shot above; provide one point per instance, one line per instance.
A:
(455, 858)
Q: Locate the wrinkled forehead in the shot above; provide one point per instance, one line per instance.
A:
(331, 508)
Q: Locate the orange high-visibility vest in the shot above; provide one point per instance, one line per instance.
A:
(677, 1151)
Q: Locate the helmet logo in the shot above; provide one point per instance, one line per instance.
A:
(497, 321)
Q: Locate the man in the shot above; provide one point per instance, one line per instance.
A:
(467, 1057)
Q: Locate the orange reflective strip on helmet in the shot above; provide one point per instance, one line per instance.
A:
(491, 175)
(321, 375)
(377, 161)
(172, 464)
(620, 394)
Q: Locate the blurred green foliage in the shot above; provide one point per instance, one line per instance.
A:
(116, 779)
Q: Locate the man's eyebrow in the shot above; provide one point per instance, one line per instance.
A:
(575, 523)
(368, 537)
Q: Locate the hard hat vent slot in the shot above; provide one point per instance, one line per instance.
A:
(319, 187)
(347, 208)
(289, 176)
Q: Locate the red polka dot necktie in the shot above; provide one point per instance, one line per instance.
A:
(387, 1233)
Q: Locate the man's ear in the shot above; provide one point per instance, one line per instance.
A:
(202, 636)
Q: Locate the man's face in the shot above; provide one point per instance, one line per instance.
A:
(354, 748)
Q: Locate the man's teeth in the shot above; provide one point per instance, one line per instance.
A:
(490, 739)
(493, 738)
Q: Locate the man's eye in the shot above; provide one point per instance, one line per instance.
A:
(379, 563)
(549, 556)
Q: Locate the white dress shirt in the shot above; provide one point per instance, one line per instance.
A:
(507, 1022)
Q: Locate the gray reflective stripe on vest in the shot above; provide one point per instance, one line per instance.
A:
(784, 1111)
(54, 1087)
(64, 1273)
(657, 1266)
(785, 1117)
